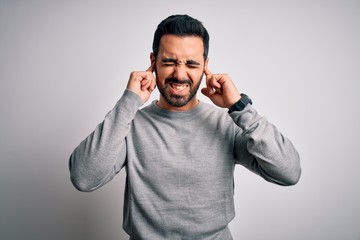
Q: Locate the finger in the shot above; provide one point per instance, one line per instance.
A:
(152, 84)
(144, 77)
(145, 81)
(145, 84)
(205, 91)
(209, 88)
(151, 68)
(213, 82)
(148, 84)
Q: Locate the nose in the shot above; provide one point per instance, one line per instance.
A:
(180, 72)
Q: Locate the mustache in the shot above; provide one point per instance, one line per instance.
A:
(175, 80)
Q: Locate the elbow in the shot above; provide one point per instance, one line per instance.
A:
(87, 182)
(79, 181)
(293, 171)
(81, 185)
(292, 178)
(288, 177)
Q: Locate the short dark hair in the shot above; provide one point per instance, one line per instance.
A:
(181, 25)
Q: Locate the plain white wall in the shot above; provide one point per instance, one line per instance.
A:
(64, 64)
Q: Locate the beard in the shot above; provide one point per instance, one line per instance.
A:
(178, 100)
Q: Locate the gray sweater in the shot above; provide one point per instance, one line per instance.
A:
(180, 165)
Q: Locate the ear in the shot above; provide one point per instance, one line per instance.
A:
(206, 66)
(153, 62)
(152, 58)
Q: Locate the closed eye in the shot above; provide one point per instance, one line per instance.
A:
(169, 62)
(192, 65)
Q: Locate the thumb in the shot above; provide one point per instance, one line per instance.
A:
(205, 91)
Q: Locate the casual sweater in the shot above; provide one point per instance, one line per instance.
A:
(180, 165)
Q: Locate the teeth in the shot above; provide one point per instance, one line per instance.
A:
(179, 87)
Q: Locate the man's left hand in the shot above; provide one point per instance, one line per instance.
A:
(220, 89)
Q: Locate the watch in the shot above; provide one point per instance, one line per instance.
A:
(240, 105)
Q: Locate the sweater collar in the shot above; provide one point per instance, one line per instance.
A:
(174, 114)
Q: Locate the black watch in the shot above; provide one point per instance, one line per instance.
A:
(240, 105)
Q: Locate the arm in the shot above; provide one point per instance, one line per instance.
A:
(102, 154)
(259, 146)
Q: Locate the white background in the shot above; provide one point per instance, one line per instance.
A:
(64, 64)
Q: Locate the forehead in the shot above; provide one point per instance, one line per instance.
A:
(181, 47)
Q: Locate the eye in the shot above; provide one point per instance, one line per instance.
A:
(169, 64)
(192, 65)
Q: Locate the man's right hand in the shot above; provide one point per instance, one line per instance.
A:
(142, 83)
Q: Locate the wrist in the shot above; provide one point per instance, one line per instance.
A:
(240, 104)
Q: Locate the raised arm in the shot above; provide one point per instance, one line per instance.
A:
(259, 145)
(102, 154)
(263, 149)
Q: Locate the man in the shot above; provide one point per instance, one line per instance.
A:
(180, 153)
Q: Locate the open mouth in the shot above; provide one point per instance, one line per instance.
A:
(178, 86)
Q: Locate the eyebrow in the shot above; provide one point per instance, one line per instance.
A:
(172, 60)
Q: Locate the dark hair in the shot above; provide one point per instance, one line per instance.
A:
(181, 25)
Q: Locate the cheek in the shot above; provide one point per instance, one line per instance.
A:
(196, 75)
(163, 73)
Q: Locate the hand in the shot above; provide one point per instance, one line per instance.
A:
(142, 83)
(220, 89)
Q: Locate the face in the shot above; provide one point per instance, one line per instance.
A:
(179, 69)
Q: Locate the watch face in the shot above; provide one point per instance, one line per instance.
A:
(245, 99)
(241, 104)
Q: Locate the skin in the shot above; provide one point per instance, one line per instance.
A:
(179, 68)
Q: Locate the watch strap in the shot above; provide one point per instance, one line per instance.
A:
(240, 105)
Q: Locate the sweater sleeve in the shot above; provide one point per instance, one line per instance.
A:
(260, 147)
(102, 154)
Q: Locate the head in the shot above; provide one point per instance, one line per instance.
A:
(180, 50)
(181, 26)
